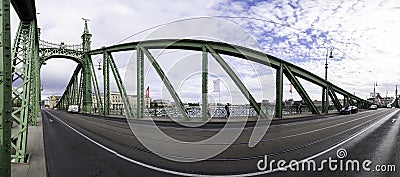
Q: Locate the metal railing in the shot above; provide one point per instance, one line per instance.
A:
(45, 44)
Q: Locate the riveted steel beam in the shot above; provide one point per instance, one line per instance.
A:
(99, 103)
(140, 82)
(166, 82)
(106, 82)
(204, 85)
(299, 88)
(335, 100)
(121, 88)
(279, 92)
(5, 89)
(237, 81)
(225, 49)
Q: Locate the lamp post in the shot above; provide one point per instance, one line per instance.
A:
(325, 94)
(375, 84)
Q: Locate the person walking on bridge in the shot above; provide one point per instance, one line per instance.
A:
(228, 112)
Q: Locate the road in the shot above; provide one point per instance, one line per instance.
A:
(81, 145)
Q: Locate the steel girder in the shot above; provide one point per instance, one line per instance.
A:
(166, 82)
(335, 100)
(106, 81)
(204, 84)
(121, 88)
(297, 85)
(87, 71)
(229, 49)
(26, 85)
(279, 91)
(99, 102)
(140, 82)
(5, 89)
(72, 92)
(237, 81)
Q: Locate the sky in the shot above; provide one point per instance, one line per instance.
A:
(363, 33)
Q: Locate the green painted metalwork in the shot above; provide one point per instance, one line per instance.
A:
(25, 77)
(279, 92)
(228, 49)
(87, 72)
(204, 85)
(5, 89)
(121, 88)
(140, 82)
(70, 96)
(237, 81)
(325, 101)
(335, 100)
(299, 88)
(106, 81)
(166, 82)
(99, 102)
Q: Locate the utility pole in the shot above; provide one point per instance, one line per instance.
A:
(325, 91)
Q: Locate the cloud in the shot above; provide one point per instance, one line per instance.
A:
(362, 32)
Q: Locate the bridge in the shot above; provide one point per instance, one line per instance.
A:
(116, 142)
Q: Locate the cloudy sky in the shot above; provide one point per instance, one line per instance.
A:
(364, 35)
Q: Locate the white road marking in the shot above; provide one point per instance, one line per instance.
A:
(238, 175)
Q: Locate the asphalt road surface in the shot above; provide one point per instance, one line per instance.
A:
(80, 145)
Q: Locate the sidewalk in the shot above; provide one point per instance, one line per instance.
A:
(36, 166)
(222, 119)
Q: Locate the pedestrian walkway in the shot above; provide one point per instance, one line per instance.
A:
(36, 166)
(222, 119)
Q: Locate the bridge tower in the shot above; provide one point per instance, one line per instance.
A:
(86, 71)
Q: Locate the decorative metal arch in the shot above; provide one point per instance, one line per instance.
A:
(291, 71)
(48, 50)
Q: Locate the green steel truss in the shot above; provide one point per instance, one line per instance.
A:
(20, 79)
(5, 90)
(26, 86)
(282, 67)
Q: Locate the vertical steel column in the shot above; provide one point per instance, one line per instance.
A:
(326, 101)
(23, 86)
(35, 86)
(121, 88)
(75, 90)
(323, 100)
(106, 78)
(279, 91)
(238, 82)
(99, 103)
(204, 85)
(167, 83)
(140, 82)
(87, 74)
(5, 89)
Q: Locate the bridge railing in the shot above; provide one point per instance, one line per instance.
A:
(46, 44)
(237, 111)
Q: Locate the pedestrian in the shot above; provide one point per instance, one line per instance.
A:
(300, 108)
(155, 108)
(208, 111)
(228, 112)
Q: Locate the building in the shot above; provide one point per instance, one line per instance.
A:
(117, 103)
(52, 101)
